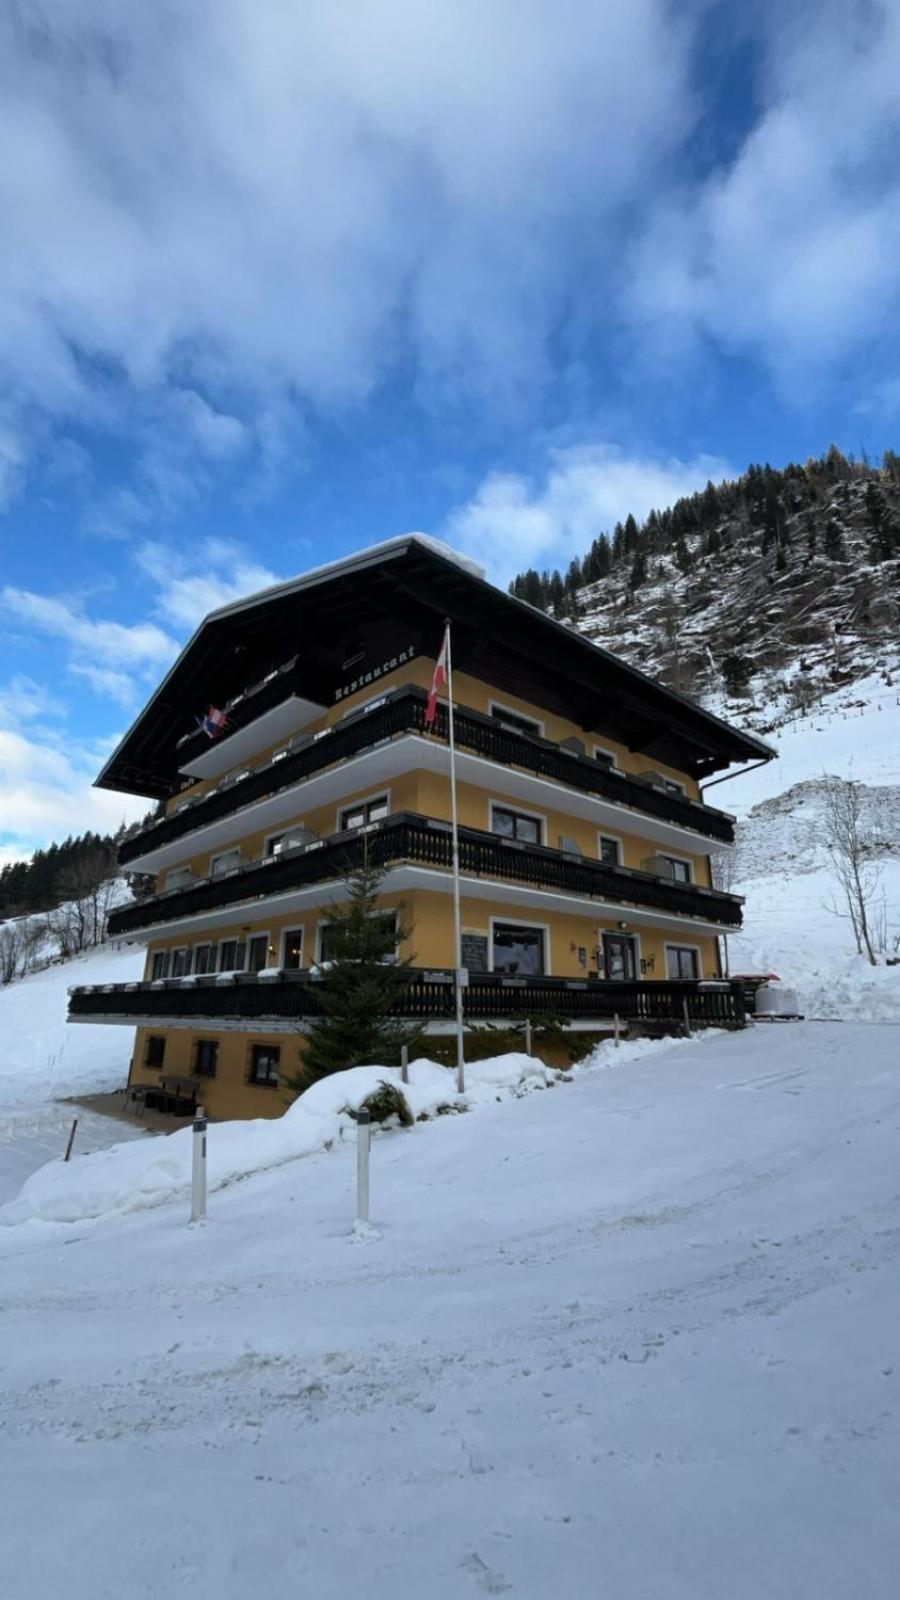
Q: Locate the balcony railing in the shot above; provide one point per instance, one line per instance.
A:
(293, 997)
(425, 841)
(403, 712)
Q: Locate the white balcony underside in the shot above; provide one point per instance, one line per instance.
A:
(409, 753)
(526, 899)
(266, 730)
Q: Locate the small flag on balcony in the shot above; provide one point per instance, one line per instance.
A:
(438, 682)
(214, 723)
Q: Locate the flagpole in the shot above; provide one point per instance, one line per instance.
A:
(457, 918)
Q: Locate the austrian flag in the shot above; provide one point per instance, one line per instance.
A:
(439, 681)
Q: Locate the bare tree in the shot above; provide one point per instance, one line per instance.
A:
(87, 891)
(9, 951)
(857, 875)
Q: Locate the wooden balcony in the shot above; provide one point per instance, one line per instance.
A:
(425, 841)
(289, 998)
(403, 712)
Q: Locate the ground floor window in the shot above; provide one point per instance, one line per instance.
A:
(160, 965)
(156, 1050)
(257, 952)
(682, 961)
(264, 1061)
(518, 951)
(619, 957)
(206, 1057)
(293, 949)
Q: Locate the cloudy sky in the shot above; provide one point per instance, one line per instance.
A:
(279, 280)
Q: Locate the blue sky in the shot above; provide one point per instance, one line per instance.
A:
(279, 281)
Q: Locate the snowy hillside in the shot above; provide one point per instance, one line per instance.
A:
(782, 866)
(41, 1055)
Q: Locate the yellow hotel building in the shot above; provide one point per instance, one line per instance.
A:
(585, 841)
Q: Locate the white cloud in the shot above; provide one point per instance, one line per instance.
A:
(221, 198)
(46, 792)
(790, 251)
(513, 522)
(189, 586)
(22, 700)
(103, 642)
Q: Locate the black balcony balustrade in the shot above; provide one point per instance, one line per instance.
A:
(293, 997)
(425, 841)
(403, 712)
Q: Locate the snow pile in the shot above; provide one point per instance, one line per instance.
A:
(131, 1177)
(42, 1057)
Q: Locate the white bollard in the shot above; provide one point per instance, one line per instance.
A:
(616, 1028)
(404, 1062)
(363, 1135)
(687, 1018)
(198, 1167)
(528, 1049)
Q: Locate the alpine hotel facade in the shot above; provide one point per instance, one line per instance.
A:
(585, 844)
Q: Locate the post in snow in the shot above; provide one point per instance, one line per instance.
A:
(198, 1168)
(404, 1063)
(616, 1028)
(528, 1049)
(363, 1138)
(687, 1018)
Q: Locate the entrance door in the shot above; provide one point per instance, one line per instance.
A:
(619, 958)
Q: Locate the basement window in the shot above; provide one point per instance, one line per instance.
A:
(156, 1050)
(206, 1057)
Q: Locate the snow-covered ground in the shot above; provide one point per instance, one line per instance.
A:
(634, 1336)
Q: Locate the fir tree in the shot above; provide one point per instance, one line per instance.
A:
(360, 986)
(630, 535)
(638, 574)
(682, 555)
(618, 542)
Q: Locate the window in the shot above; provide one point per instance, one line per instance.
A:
(156, 1050)
(257, 952)
(605, 758)
(682, 961)
(515, 825)
(204, 958)
(680, 870)
(619, 957)
(264, 1059)
(293, 949)
(226, 862)
(206, 1057)
(232, 955)
(181, 963)
(671, 786)
(178, 877)
(160, 965)
(610, 851)
(517, 950)
(514, 720)
(273, 843)
(363, 812)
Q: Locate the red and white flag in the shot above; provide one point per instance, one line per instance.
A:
(439, 681)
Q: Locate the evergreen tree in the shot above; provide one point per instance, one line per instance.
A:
(630, 535)
(360, 986)
(711, 510)
(618, 542)
(557, 595)
(736, 670)
(638, 574)
(883, 539)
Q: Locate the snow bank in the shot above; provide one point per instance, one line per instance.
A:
(133, 1177)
